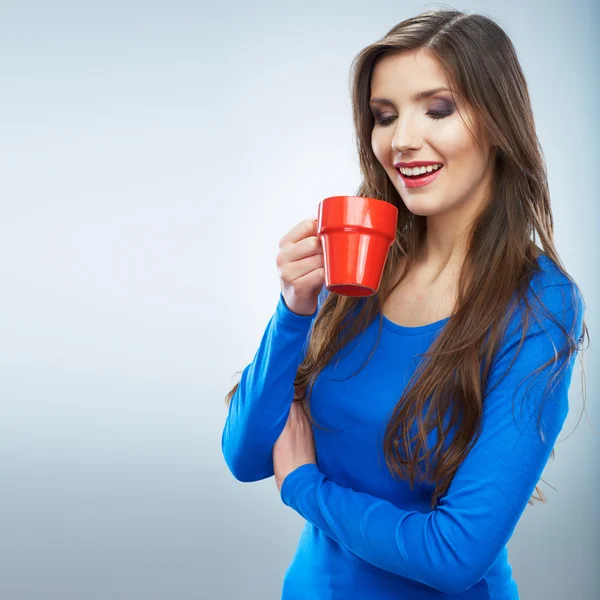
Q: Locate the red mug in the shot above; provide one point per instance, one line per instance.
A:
(356, 234)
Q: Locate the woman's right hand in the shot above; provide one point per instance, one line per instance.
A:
(300, 267)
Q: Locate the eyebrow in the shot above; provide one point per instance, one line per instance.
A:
(415, 97)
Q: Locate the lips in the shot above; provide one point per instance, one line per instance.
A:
(418, 180)
(417, 163)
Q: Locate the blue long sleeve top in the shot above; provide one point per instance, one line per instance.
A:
(368, 535)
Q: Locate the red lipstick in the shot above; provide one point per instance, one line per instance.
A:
(417, 163)
(418, 180)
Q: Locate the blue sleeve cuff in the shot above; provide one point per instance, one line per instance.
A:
(291, 319)
(307, 473)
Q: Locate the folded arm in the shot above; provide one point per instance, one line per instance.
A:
(453, 546)
(260, 406)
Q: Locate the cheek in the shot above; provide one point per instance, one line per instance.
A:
(454, 142)
(381, 147)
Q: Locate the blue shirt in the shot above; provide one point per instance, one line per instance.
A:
(368, 535)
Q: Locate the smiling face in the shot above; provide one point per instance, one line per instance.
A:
(414, 123)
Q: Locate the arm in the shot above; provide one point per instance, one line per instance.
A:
(452, 547)
(260, 406)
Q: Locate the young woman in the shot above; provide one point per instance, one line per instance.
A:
(435, 403)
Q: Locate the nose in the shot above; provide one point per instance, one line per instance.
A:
(406, 137)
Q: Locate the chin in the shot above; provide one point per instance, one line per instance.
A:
(422, 207)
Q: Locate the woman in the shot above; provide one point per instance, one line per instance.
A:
(456, 372)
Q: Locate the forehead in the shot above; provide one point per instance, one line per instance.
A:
(405, 74)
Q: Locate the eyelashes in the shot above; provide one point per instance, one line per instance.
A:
(436, 115)
(440, 114)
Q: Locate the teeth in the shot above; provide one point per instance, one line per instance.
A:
(419, 170)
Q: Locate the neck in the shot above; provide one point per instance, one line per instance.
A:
(446, 242)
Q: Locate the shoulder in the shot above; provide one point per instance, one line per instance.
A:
(548, 273)
(554, 307)
(545, 335)
(554, 293)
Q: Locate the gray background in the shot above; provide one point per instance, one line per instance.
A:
(152, 154)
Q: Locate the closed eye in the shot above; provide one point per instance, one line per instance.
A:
(433, 114)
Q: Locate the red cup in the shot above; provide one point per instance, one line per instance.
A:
(356, 234)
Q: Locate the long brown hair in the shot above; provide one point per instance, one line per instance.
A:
(481, 65)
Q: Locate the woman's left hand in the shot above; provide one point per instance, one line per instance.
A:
(295, 446)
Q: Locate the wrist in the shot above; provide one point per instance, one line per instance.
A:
(300, 309)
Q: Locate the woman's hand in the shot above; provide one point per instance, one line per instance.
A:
(300, 266)
(295, 446)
